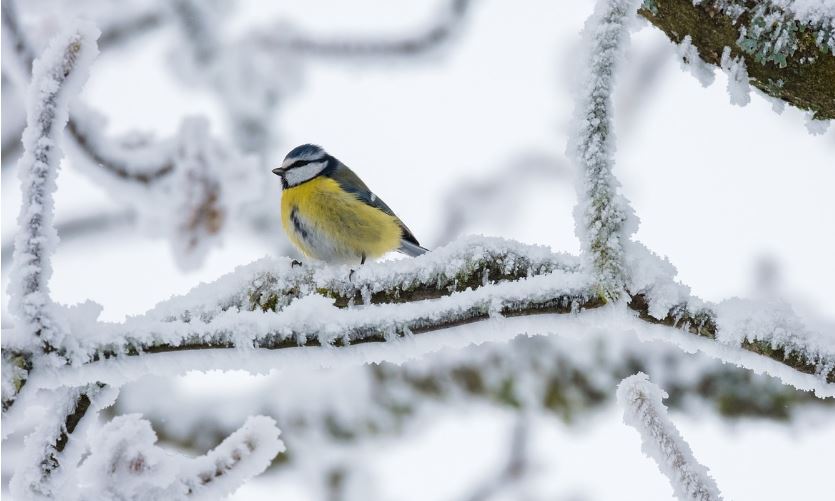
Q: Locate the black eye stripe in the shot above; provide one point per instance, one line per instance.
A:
(299, 163)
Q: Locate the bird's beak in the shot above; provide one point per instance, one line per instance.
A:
(278, 171)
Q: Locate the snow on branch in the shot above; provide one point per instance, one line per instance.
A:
(644, 411)
(57, 77)
(786, 47)
(564, 375)
(272, 307)
(126, 464)
(324, 305)
(602, 216)
(185, 188)
(46, 446)
(118, 160)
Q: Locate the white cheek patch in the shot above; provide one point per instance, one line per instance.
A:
(298, 175)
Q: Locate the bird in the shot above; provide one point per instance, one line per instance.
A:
(330, 215)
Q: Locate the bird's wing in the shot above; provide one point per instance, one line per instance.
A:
(351, 183)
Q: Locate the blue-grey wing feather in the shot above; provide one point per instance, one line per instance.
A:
(351, 183)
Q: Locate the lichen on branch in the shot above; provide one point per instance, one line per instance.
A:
(788, 55)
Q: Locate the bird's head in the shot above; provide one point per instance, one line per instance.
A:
(303, 163)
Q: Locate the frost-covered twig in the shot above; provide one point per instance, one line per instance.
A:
(116, 161)
(787, 47)
(644, 411)
(45, 447)
(186, 188)
(602, 215)
(241, 456)
(125, 463)
(57, 77)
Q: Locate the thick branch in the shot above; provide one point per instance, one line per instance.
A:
(801, 73)
(702, 321)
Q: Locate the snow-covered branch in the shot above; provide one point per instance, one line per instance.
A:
(57, 77)
(567, 376)
(46, 446)
(126, 464)
(787, 47)
(643, 410)
(274, 306)
(603, 217)
(118, 160)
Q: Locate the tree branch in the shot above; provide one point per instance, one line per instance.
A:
(602, 214)
(788, 58)
(567, 377)
(115, 161)
(318, 312)
(45, 446)
(643, 409)
(57, 76)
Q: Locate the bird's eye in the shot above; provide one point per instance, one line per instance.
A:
(299, 163)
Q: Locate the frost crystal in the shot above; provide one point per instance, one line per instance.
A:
(692, 62)
(738, 87)
(816, 127)
(644, 411)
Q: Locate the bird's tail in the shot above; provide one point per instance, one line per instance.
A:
(411, 249)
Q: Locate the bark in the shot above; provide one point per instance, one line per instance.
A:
(805, 79)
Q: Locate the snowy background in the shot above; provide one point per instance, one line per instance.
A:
(738, 198)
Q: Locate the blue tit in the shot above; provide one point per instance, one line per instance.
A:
(329, 214)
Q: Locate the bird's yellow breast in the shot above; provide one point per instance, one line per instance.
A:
(328, 223)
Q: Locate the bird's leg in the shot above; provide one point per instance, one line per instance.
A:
(362, 262)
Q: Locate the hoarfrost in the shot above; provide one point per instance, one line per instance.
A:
(643, 409)
(126, 464)
(693, 63)
(57, 76)
(603, 219)
(738, 87)
(816, 127)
